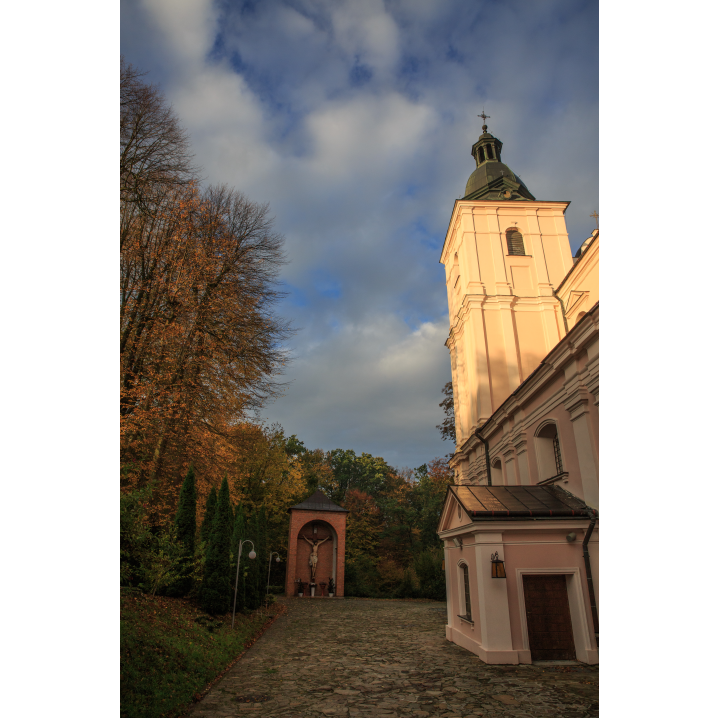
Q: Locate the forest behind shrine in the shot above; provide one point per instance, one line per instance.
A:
(201, 350)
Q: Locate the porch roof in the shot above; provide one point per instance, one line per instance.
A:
(483, 503)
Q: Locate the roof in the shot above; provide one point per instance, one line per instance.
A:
(319, 502)
(491, 179)
(483, 503)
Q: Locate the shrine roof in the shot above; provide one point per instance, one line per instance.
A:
(519, 502)
(319, 502)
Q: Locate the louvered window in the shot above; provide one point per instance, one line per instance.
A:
(515, 242)
(467, 592)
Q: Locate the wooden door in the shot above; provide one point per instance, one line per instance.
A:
(548, 618)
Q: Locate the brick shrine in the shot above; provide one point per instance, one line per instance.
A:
(317, 519)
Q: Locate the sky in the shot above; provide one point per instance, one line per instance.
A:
(354, 120)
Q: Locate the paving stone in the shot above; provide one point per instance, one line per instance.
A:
(359, 658)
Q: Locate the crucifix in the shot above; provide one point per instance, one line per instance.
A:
(595, 216)
(313, 557)
(484, 117)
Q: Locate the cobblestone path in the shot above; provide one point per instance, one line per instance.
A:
(368, 658)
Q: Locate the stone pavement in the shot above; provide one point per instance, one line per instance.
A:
(366, 658)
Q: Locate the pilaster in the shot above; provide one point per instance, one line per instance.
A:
(493, 602)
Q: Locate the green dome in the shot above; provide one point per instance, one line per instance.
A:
(487, 173)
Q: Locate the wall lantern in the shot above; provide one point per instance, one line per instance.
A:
(458, 543)
(497, 566)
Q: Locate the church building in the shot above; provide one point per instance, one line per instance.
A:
(520, 527)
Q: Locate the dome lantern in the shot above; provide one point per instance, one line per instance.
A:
(492, 179)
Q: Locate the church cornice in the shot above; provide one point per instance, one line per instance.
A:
(501, 207)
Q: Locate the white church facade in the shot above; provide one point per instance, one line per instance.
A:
(520, 527)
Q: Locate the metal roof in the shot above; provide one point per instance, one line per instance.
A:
(519, 502)
(319, 502)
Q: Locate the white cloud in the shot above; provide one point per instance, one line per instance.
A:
(361, 170)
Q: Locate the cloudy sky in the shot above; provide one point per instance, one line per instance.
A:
(354, 120)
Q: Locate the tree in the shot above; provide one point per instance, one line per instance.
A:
(448, 426)
(214, 597)
(209, 511)
(200, 344)
(238, 579)
(186, 528)
(253, 591)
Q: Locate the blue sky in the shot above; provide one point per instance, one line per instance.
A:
(355, 120)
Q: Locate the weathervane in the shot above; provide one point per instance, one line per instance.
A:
(484, 117)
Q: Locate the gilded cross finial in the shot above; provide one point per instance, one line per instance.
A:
(484, 117)
(595, 216)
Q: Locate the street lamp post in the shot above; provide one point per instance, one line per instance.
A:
(252, 554)
(273, 553)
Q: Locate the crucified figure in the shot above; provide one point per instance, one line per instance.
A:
(313, 558)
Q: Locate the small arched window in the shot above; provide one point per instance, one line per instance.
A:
(515, 242)
(548, 452)
(490, 151)
(580, 316)
(482, 158)
(497, 473)
(467, 593)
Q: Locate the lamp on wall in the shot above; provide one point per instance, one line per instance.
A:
(458, 542)
(497, 566)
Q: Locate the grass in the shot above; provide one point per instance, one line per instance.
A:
(171, 651)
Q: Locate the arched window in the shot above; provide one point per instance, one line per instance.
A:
(580, 316)
(497, 473)
(466, 593)
(490, 151)
(481, 155)
(515, 242)
(548, 452)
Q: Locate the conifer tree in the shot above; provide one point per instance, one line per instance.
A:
(238, 535)
(186, 526)
(216, 585)
(209, 510)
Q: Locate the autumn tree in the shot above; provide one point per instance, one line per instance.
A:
(200, 343)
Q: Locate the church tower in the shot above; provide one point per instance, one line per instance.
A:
(505, 253)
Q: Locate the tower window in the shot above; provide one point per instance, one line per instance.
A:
(515, 242)
(481, 155)
(490, 151)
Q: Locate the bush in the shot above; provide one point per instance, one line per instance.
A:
(361, 578)
(407, 588)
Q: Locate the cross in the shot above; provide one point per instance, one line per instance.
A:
(484, 116)
(595, 216)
